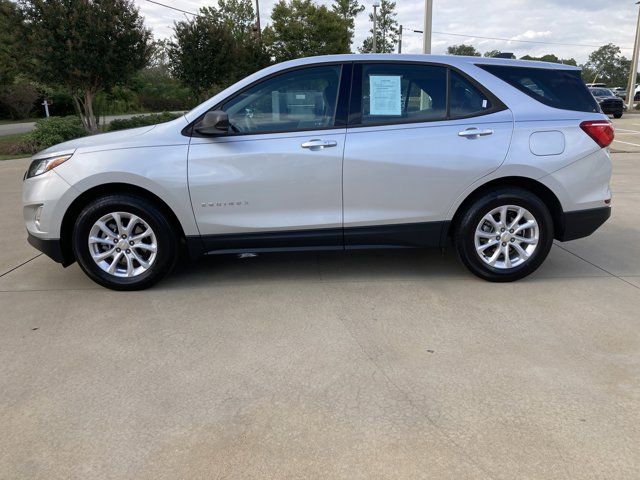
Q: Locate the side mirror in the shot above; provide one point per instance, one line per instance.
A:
(214, 122)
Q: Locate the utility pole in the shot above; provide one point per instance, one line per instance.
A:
(375, 32)
(400, 40)
(631, 89)
(428, 19)
(258, 30)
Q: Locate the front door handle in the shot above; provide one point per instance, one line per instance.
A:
(317, 144)
(474, 133)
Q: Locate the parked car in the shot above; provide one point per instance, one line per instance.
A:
(497, 157)
(608, 101)
(620, 92)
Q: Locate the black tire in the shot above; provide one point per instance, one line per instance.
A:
(167, 240)
(464, 236)
(617, 115)
(636, 96)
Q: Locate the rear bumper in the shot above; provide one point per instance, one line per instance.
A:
(581, 223)
(52, 248)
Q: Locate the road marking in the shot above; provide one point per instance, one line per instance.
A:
(629, 131)
(628, 143)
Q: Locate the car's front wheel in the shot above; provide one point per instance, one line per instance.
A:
(124, 242)
(617, 115)
(504, 235)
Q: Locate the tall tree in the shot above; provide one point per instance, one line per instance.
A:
(216, 48)
(607, 65)
(301, 28)
(348, 10)
(86, 46)
(386, 30)
(464, 50)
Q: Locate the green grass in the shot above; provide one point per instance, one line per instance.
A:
(7, 141)
(13, 157)
(24, 120)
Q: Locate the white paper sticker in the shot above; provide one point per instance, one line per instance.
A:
(384, 95)
(300, 96)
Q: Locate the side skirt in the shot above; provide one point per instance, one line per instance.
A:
(407, 235)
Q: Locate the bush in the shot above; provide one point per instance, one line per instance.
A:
(158, 92)
(142, 121)
(53, 130)
(117, 100)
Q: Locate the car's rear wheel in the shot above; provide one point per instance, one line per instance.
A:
(124, 242)
(504, 235)
(617, 115)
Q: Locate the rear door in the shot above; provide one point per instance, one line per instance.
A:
(418, 135)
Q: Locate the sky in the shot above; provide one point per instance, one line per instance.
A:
(582, 22)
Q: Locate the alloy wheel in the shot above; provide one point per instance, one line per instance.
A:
(122, 244)
(506, 237)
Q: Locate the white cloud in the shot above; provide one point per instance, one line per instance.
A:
(590, 22)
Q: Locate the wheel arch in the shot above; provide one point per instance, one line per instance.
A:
(74, 209)
(540, 190)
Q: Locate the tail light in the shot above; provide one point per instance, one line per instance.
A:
(601, 131)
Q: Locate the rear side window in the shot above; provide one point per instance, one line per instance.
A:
(396, 93)
(465, 99)
(562, 89)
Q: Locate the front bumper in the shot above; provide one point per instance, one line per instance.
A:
(581, 223)
(51, 247)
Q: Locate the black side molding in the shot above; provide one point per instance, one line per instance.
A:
(52, 248)
(582, 223)
(406, 235)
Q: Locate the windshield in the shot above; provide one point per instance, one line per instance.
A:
(601, 92)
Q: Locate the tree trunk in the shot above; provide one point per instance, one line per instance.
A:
(84, 104)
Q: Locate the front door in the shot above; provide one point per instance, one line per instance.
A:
(275, 181)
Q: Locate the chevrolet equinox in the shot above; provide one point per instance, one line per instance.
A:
(498, 157)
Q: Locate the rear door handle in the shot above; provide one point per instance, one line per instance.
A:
(318, 144)
(474, 132)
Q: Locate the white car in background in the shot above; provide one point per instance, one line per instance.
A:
(344, 152)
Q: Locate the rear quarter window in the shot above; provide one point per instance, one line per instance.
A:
(562, 89)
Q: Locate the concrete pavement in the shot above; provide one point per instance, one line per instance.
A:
(370, 365)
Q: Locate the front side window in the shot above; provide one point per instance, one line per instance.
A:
(302, 99)
(394, 93)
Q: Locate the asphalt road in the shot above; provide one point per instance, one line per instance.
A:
(370, 365)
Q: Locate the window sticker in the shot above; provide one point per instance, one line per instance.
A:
(384, 95)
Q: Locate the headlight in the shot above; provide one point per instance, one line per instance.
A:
(43, 165)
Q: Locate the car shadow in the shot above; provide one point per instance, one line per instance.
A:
(398, 264)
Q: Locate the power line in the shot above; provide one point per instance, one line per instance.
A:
(514, 40)
(173, 8)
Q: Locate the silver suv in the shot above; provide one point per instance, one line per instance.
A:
(341, 152)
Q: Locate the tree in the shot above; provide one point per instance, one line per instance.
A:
(550, 57)
(492, 53)
(464, 50)
(607, 65)
(348, 10)
(86, 46)
(302, 28)
(216, 48)
(11, 51)
(386, 30)
(19, 97)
